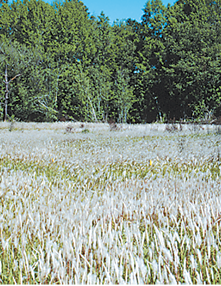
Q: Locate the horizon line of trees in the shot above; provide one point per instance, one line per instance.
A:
(62, 62)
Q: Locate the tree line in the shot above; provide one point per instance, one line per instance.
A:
(57, 61)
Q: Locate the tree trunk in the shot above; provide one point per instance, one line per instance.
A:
(6, 92)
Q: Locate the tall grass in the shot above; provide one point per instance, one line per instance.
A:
(133, 206)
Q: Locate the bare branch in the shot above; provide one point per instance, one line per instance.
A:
(48, 107)
(14, 77)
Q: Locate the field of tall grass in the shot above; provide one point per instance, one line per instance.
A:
(84, 204)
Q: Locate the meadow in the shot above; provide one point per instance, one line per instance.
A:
(84, 204)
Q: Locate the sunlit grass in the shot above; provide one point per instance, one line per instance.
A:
(132, 206)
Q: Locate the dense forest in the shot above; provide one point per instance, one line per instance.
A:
(58, 62)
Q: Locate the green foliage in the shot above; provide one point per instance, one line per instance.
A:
(83, 68)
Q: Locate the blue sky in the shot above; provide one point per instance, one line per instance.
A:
(119, 9)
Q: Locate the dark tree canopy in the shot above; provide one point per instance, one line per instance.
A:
(83, 68)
